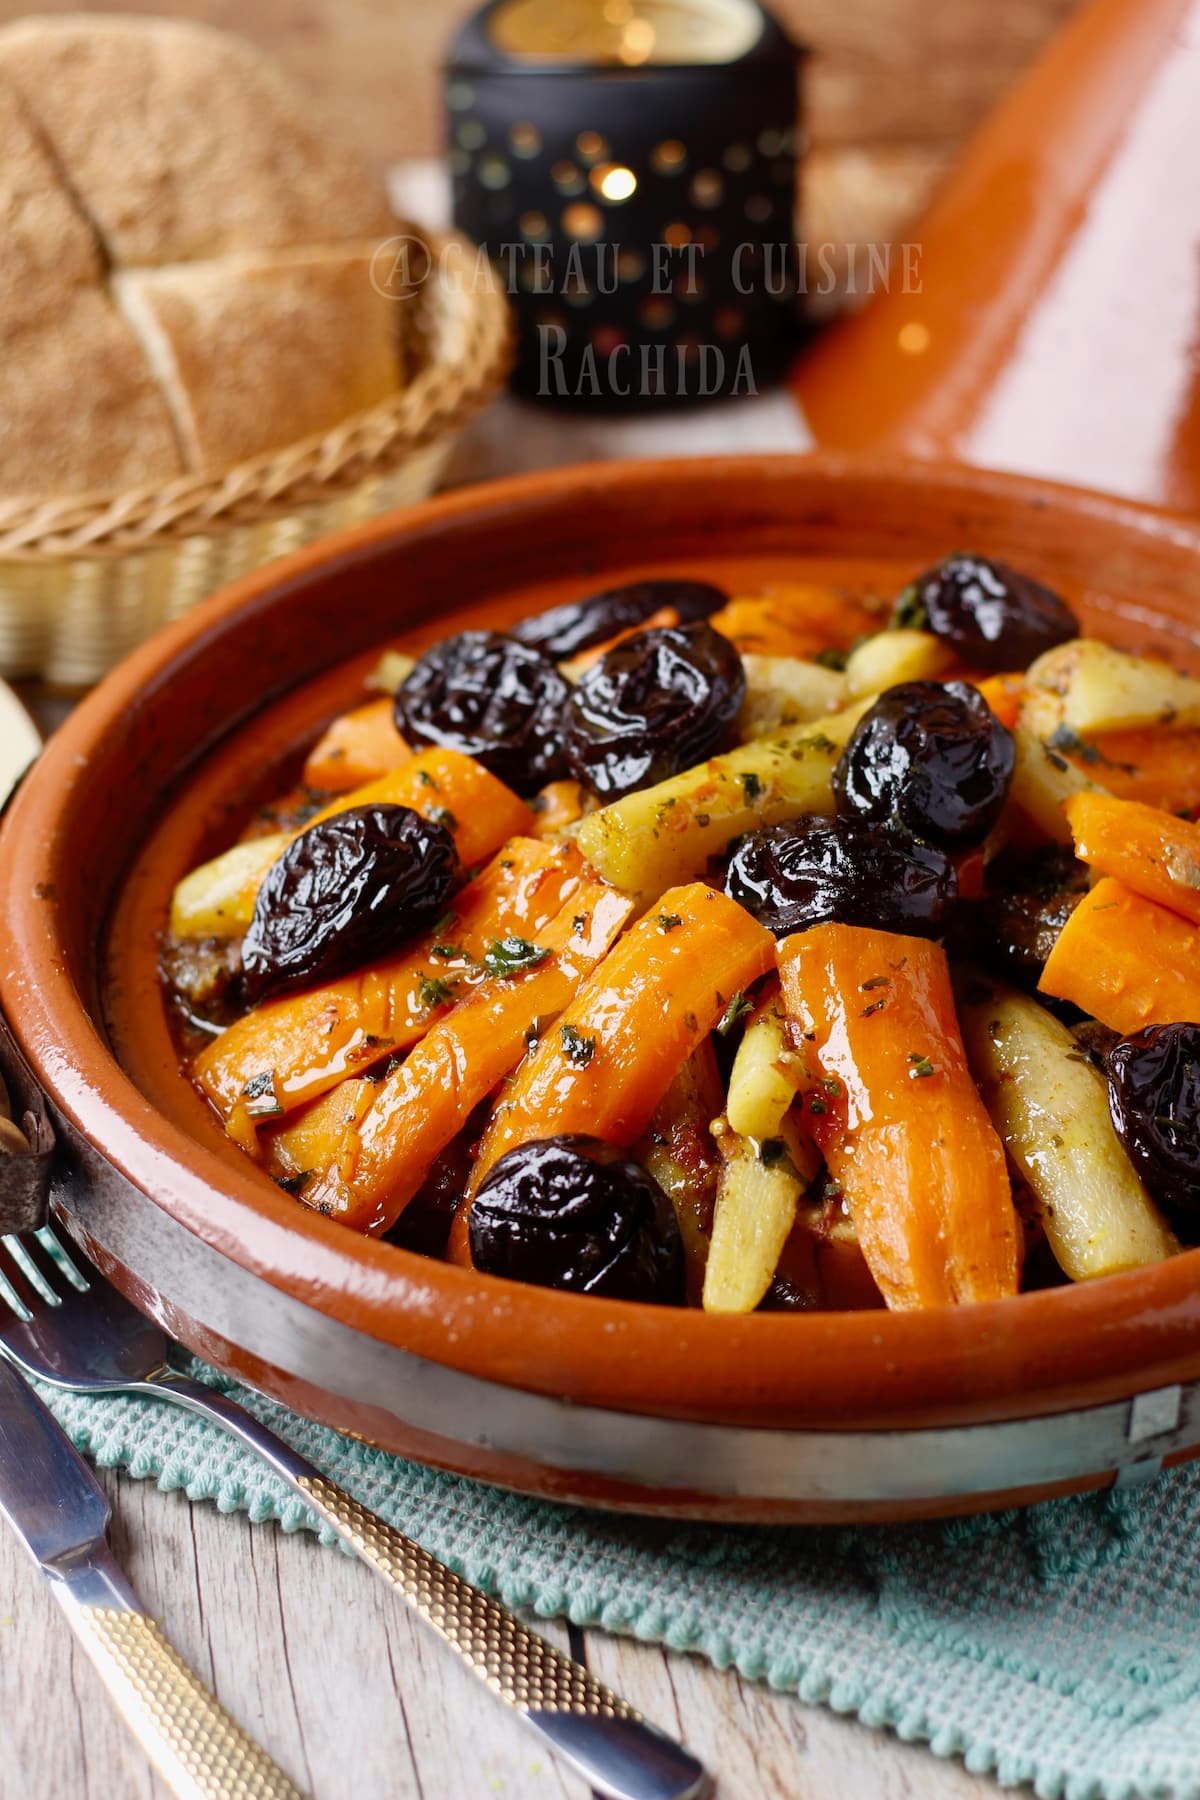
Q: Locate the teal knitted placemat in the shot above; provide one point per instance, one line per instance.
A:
(1056, 1645)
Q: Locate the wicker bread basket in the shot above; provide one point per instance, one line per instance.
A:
(84, 578)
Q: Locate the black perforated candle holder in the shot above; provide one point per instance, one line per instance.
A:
(639, 211)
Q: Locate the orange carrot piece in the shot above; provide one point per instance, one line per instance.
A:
(299, 1046)
(666, 615)
(898, 1116)
(1151, 851)
(794, 621)
(1126, 960)
(633, 1024)
(374, 1158)
(1003, 693)
(478, 810)
(561, 804)
(359, 746)
(1156, 764)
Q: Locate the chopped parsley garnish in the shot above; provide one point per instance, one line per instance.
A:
(292, 1184)
(752, 786)
(425, 778)
(832, 1086)
(737, 1009)
(441, 815)
(669, 921)
(508, 956)
(432, 991)
(910, 612)
(446, 952)
(830, 658)
(258, 1085)
(577, 1048)
(920, 1066)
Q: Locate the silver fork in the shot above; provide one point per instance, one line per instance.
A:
(72, 1329)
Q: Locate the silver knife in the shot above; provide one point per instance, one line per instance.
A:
(61, 1514)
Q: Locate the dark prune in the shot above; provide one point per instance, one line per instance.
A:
(930, 756)
(994, 617)
(492, 698)
(581, 624)
(346, 890)
(1015, 926)
(1154, 1097)
(813, 870)
(572, 1212)
(654, 705)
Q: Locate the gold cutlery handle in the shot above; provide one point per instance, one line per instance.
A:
(610, 1743)
(189, 1737)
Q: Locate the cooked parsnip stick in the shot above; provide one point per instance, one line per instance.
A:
(786, 690)
(766, 1072)
(889, 657)
(217, 899)
(1050, 1107)
(1086, 687)
(664, 835)
(756, 1209)
(1043, 782)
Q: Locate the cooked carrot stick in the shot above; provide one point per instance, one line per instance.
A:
(559, 804)
(290, 1050)
(1151, 851)
(453, 789)
(794, 621)
(1125, 960)
(898, 1116)
(634, 1023)
(1157, 764)
(359, 746)
(372, 1158)
(1003, 693)
(217, 899)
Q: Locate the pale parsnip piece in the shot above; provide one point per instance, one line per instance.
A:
(1050, 1107)
(756, 1209)
(766, 1072)
(392, 668)
(1043, 782)
(786, 690)
(1086, 687)
(892, 656)
(215, 899)
(664, 835)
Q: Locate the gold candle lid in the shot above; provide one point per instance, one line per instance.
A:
(626, 33)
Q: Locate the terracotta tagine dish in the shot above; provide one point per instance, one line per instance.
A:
(804, 1415)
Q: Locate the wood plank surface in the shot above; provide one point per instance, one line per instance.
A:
(354, 1698)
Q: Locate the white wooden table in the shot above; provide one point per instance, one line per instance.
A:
(354, 1698)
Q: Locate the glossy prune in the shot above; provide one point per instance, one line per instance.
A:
(1154, 1097)
(993, 616)
(656, 704)
(578, 625)
(345, 891)
(572, 1212)
(494, 699)
(1015, 926)
(811, 870)
(929, 756)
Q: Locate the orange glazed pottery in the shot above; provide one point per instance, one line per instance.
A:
(1057, 325)
(772, 1416)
